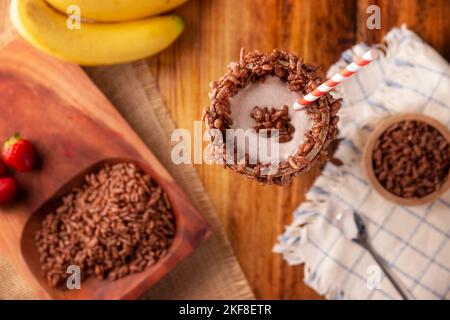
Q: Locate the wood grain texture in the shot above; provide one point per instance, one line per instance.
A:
(317, 30)
(74, 134)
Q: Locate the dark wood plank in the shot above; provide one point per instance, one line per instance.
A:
(428, 18)
(62, 127)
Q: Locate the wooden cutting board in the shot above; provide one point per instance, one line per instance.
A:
(73, 126)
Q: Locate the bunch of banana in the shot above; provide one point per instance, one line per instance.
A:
(109, 32)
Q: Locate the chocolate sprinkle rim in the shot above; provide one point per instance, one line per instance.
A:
(301, 77)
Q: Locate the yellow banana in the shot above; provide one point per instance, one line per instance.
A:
(117, 10)
(92, 44)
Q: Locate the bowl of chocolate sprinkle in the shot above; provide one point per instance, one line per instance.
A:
(407, 159)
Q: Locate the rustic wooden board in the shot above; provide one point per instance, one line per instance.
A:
(73, 126)
(317, 30)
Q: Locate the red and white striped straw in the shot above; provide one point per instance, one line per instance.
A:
(328, 85)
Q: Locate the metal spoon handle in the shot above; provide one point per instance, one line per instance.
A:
(385, 269)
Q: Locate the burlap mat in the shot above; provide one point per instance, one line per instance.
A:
(212, 271)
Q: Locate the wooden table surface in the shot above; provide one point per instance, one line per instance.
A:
(317, 30)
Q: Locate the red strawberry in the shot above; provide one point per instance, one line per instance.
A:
(19, 153)
(2, 169)
(8, 189)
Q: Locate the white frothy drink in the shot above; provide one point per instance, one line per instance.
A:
(272, 93)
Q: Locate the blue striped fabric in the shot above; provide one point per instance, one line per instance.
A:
(413, 240)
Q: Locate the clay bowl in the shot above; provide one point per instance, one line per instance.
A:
(191, 229)
(381, 127)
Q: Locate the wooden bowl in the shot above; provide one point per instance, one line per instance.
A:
(75, 130)
(381, 127)
(190, 230)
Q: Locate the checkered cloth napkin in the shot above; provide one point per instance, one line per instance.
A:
(414, 241)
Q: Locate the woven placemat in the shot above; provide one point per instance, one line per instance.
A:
(210, 272)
